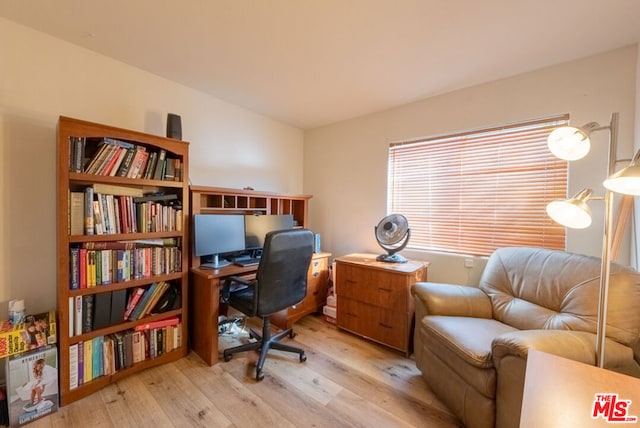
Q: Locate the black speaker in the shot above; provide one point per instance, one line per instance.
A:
(174, 126)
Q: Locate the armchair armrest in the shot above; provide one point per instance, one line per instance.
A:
(433, 298)
(575, 345)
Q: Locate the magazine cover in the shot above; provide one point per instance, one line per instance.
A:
(32, 385)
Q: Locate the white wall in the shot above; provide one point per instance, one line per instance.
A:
(345, 163)
(42, 78)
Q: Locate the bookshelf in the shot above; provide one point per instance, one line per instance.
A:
(131, 238)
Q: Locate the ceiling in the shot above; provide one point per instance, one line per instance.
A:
(309, 63)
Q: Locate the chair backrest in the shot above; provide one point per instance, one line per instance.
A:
(282, 273)
(535, 288)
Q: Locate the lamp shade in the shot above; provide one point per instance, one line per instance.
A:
(569, 143)
(574, 212)
(625, 181)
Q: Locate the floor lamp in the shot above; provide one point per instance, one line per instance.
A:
(571, 143)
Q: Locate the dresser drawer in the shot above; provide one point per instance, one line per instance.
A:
(375, 287)
(381, 325)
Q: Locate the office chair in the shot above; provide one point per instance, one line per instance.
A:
(281, 281)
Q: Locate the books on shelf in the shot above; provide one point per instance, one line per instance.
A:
(105, 355)
(113, 157)
(95, 311)
(115, 209)
(114, 262)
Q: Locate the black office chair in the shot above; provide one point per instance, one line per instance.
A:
(281, 281)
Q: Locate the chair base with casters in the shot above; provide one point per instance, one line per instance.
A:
(280, 282)
(264, 343)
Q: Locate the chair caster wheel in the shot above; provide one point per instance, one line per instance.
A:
(292, 334)
(227, 358)
(303, 357)
(259, 375)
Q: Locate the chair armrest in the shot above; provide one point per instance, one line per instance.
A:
(434, 298)
(234, 283)
(575, 345)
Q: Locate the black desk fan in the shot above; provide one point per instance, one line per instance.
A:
(392, 234)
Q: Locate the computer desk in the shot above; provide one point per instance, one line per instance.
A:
(204, 307)
(204, 302)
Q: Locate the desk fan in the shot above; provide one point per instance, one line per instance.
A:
(392, 234)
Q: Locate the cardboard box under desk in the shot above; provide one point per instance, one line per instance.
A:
(35, 332)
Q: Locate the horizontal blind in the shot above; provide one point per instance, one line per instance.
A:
(473, 192)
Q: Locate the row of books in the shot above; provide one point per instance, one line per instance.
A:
(95, 212)
(95, 311)
(105, 355)
(94, 267)
(112, 157)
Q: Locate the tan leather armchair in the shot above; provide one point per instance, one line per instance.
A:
(471, 343)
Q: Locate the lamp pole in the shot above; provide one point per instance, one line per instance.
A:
(605, 268)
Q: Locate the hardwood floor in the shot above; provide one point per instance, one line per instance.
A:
(345, 382)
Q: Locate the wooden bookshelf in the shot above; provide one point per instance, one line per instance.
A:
(158, 230)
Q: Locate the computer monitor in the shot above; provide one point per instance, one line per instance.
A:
(257, 226)
(216, 234)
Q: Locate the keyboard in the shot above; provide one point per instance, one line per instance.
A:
(247, 262)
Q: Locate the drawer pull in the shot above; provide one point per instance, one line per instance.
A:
(383, 325)
(387, 290)
(351, 281)
(316, 274)
(351, 314)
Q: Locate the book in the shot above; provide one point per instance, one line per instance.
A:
(102, 311)
(157, 324)
(76, 213)
(136, 164)
(117, 189)
(108, 356)
(118, 304)
(73, 366)
(78, 315)
(137, 312)
(88, 361)
(88, 211)
(97, 159)
(96, 348)
(151, 166)
(32, 385)
(74, 268)
(80, 363)
(158, 172)
(126, 163)
(149, 304)
(87, 313)
(134, 299)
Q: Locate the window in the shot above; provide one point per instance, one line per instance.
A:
(473, 192)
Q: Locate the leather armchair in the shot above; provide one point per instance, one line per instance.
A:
(471, 343)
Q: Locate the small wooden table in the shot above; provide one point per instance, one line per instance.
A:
(559, 392)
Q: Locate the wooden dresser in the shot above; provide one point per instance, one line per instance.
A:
(374, 298)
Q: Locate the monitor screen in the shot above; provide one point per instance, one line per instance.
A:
(215, 234)
(257, 226)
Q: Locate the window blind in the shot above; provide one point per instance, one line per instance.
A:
(473, 192)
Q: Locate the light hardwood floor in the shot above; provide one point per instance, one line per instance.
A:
(345, 382)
